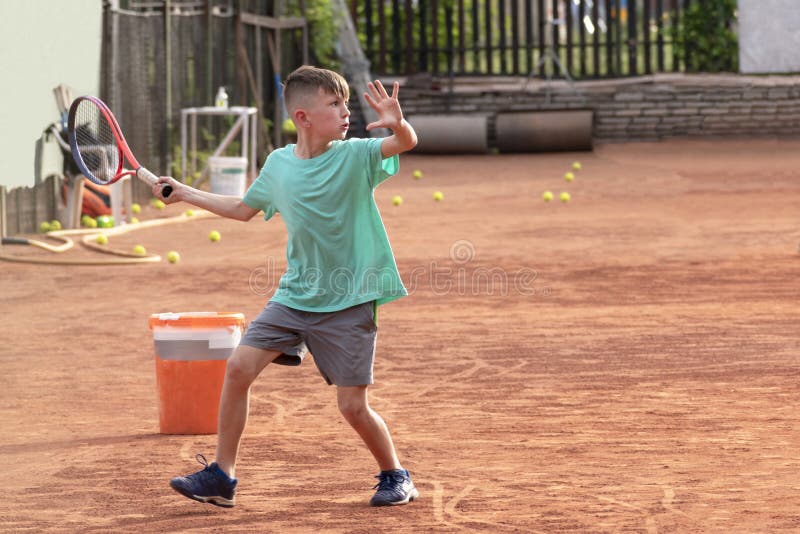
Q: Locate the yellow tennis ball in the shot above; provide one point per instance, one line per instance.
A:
(438, 195)
(139, 250)
(289, 127)
(159, 204)
(417, 174)
(397, 200)
(136, 208)
(44, 227)
(173, 257)
(189, 213)
(90, 223)
(134, 220)
(55, 224)
(214, 236)
(569, 176)
(101, 239)
(564, 197)
(547, 196)
(576, 166)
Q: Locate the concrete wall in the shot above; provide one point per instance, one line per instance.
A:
(635, 109)
(769, 36)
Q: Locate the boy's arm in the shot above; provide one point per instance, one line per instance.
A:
(222, 205)
(390, 116)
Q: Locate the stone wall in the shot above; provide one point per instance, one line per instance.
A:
(629, 109)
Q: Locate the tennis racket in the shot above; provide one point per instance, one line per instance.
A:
(98, 146)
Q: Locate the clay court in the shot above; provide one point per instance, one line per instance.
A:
(627, 361)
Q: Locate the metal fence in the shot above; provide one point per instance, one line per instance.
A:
(590, 38)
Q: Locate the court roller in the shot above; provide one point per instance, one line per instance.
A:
(545, 131)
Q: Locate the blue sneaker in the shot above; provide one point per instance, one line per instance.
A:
(394, 487)
(210, 485)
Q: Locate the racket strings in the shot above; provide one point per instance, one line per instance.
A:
(96, 142)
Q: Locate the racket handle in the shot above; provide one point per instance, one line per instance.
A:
(152, 179)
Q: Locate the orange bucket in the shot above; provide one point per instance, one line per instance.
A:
(192, 350)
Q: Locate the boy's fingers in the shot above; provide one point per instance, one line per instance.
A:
(395, 89)
(373, 125)
(370, 100)
(374, 90)
(382, 89)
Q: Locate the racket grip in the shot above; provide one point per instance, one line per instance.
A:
(152, 179)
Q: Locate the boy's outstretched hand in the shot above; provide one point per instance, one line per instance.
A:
(390, 116)
(387, 107)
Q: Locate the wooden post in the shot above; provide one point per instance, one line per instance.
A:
(209, 53)
(3, 228)
(168, 89)
(74, 202)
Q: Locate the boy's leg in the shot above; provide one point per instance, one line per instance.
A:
(354, 406)
(395, 485)
(215, 483)
(242, 369)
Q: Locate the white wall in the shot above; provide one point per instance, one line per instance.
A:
(769, 36)
(42, 43)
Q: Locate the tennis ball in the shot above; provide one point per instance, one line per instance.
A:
(564, 197)
(214, 236)
(289, 127)
(55, 224)
(101, 239)
(105, 221)
(576, 166)
(173, 257)
(139, 250)
(417, 174)
(44, 227)
(437, 196)
(189, 213)
(569, 176)
(547, 196)
(397, 200)
(134, 220)
(136, 208)
(159, 204)
(90, 223)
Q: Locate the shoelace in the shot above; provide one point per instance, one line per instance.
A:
(201, 460)
(388, 481)
(206, 473)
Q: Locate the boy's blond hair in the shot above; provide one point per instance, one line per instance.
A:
(307, 81)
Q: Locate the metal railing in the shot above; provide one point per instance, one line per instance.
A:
(591, 38)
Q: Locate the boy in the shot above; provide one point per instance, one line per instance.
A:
(340, 268)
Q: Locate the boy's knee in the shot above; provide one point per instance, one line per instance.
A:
(353, 409)
(237, 372)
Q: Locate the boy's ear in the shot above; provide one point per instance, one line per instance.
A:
(301, 118)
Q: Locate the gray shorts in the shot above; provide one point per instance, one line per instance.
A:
(342, 342)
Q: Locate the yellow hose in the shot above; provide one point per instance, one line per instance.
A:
(89, 235)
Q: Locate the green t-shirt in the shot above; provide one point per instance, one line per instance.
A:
(338, 252)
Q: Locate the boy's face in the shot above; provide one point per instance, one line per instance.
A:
(328, 115)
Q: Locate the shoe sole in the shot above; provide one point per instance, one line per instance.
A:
(413, 495)
(216, 501)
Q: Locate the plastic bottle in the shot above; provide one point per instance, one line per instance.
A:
(221, 101)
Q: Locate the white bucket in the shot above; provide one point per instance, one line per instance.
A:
(228, 175)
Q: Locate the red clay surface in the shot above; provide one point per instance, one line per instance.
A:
(624, 362)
